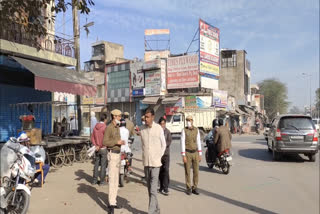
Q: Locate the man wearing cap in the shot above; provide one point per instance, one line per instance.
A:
(153, 147)
(113, 142)
(129, 124)
(191, 154)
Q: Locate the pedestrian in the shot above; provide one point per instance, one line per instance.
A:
(223, 137)
(165, 160)
(113, 142)
(93, 121)
(74, 126)
(153, 147)
(129, 124)
(191, 154)
(101, 151)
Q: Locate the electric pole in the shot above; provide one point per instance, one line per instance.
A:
(76, 35)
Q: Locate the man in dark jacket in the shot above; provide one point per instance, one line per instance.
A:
(165, 160)
(222, 139)
(101, 151)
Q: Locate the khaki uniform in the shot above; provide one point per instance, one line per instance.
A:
(111, 138)
(192, 156)
(130, 127)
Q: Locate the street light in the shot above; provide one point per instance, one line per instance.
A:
(309, 75)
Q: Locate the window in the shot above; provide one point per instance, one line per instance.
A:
(98, 50)
(296, 123)
(176, 118)
(228, 59)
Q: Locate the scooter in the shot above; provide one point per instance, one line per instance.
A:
(14, 193)
(223, 160)
(126, 162)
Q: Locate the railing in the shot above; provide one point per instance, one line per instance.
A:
(51, 42)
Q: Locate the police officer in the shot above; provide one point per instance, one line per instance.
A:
(113, 142)
(191, 154)
(129, 124)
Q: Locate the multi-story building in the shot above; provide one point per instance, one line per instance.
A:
(30, 74)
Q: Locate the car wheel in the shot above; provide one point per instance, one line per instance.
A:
(276, 155)
(312, 157)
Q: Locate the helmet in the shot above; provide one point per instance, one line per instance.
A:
(23, 137)
(220, 121)
(122, 122)
(215, 123)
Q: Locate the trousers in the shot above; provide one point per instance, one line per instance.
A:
(152, 176)
(192, 161)
(164, 172)
(100, 159)
(114, 170)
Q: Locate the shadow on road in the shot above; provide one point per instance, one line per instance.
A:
(205, 169)
(180, 187)
(83, 175)
(101, 199)
(264, 155)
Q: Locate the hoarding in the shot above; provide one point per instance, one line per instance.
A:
(153, 64)
(183, 72)
(220, 98)
(150, 32)
(137, 76)
(138, 92)
(163, 77)
(151, 55)
(152, 82)
(191, 102)
(209, 43)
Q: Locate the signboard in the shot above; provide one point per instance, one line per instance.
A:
(152, 82)
(171, 110)
(209, 52)
(191, 102)
(153, 64)
(151, 55)
(137, 76)
(183, 72)
(204, 102)
(220, 98)
(150, 32)
(163, 89)
(138, 92)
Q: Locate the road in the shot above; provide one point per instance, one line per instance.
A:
(256, 184)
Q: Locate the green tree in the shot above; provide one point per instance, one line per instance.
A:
(275, 97)
(28, 16)
(317, 112)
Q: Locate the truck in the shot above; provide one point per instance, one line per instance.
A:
(202, 119)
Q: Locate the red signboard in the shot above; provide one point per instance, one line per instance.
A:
(171, 110)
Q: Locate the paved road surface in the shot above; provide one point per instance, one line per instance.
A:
(256, 184)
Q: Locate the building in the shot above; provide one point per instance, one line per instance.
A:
(31, 74)
(235, 75)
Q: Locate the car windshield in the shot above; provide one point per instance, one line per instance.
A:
(296, 123)
(176, 118)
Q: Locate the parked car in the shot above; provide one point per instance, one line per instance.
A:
(293, 134)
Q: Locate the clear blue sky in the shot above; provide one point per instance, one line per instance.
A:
(281, 37)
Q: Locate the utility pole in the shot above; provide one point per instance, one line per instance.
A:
(76, 35)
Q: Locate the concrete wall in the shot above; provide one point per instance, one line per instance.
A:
(113, 51)
(232, 78)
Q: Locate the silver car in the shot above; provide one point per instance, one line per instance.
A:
(293, 134)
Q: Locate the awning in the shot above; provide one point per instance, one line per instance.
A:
(150, 100)
(170, 100)
(57, 79)
(241, 112)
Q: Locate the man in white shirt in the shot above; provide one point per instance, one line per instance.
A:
(191, 154)
(153, 148)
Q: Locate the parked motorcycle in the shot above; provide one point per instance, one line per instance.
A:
(221, 161)
(126, 162)
(17, 169)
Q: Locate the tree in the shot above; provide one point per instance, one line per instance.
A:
(295, 110)
(317, 112)
(29, 17)
(275, 97)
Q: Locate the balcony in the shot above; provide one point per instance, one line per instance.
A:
(51, 49)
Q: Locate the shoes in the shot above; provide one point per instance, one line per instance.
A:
(111, 210)
(165, 192)
(115, 207)
(102, 184)
(195, 191)
(188, 191)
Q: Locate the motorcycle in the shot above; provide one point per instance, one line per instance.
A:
(126, 162)
(17, 169)
(223, 160)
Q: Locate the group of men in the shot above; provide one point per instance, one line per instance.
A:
(155, 141)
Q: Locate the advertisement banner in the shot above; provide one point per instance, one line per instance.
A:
(138, 92)
(183, 72)
(153, 64)
(137, 76)
(191, 102)
(163, 77)
(171, 110)
(204, 102)
(152, 82)
(151, 55)
(150, 32)
(220, 98)
(209, 43)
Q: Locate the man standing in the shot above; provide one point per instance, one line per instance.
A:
(129, 124)
(93, 121)
(101, 151)
(113, 142)
(223, 137)
(191, 154)
(153, 147)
